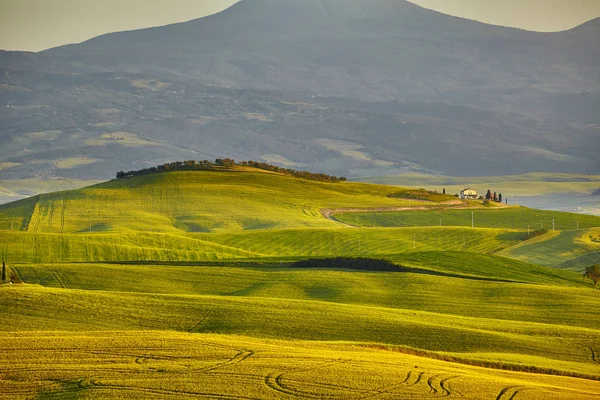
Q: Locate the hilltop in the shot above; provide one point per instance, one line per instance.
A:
(235, 198)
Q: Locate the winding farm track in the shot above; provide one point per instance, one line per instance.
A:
(424, 205)
(278, 382)
(510, 393)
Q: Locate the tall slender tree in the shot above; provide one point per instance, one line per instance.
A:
(3, 271)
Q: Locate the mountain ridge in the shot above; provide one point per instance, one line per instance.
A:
(375, 89)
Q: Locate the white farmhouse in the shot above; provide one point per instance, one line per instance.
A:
(469, 194)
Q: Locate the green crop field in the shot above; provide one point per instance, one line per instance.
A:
(184, 284)
(500, 218)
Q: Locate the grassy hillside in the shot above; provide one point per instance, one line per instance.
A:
(158, 282)
(192, 202)
(571, 250)
(23, 247)
(500, 218)
(558, 342)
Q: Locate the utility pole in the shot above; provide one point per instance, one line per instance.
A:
(553, 224)
(472, 219)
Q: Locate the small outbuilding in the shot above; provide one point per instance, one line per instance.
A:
(469, 194)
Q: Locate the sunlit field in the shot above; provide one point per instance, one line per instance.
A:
(184, 284)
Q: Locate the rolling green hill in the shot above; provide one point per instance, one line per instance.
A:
(206, 201)
(187, 277)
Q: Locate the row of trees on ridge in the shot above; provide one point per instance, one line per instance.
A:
(225, 163)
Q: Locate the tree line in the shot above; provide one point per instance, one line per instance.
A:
(224, 163)
(489, 196)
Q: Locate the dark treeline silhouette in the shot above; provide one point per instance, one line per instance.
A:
(220, 163)
(361, 264)
(493, 196)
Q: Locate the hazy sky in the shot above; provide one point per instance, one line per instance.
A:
(40, 24)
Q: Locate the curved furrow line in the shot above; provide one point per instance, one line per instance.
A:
(274, 382)
(60, 278)
(36, 214)
(241, 356)
(516, 393)
(418, 380)
(64, 279)
(595, 356)
(444, 385)
(407, 377)
(432, 389)
(57, 278)
(509, 393)
(50, 215)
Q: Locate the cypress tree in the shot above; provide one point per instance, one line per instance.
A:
(3, 271)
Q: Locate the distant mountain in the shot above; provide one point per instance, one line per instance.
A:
(349, 87)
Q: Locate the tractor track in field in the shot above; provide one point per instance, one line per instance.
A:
(441, 387)
(439, 390)
(275, 381)
(19, 274)
(241, 356)
(595, 356)
(510, 392)
(60, 278)
(36, 214)
(417, 381)
(389, 389)
(62, 214)
(50, 215)
(445, 388)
